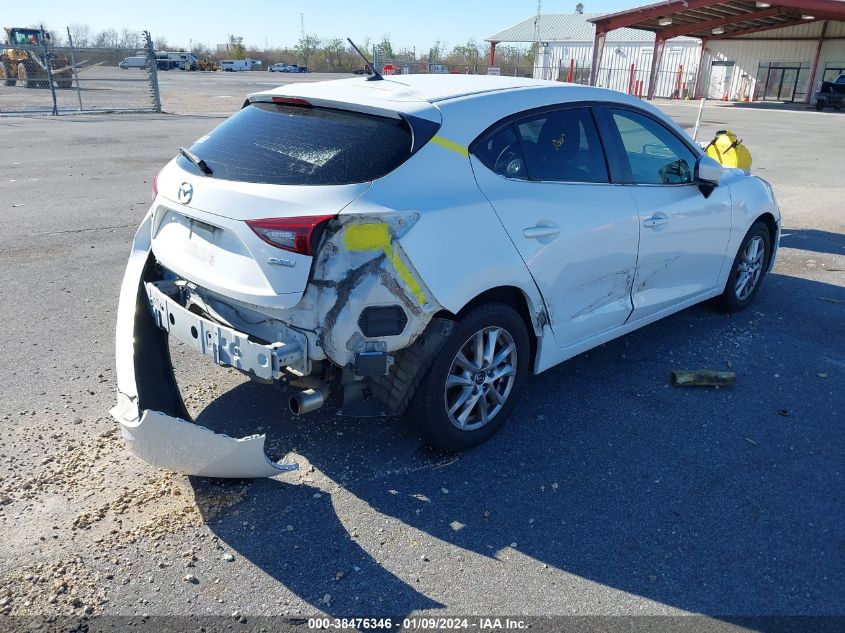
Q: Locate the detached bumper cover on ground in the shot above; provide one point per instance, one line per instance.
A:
(150, 410)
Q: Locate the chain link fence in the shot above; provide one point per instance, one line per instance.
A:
(678, 83)
(38, 78)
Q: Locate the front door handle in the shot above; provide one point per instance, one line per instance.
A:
(658, 219)
(536, 232)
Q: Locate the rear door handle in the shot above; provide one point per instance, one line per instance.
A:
(655, 221)
(536, 232)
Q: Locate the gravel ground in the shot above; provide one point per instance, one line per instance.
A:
(609, 492)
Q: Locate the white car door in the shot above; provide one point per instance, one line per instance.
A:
(546, 176)
(684, 230)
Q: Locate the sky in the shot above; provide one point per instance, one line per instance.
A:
(410, 24)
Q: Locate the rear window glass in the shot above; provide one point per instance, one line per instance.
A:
(293, 145)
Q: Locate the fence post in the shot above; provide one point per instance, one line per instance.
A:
(571, 70)
(73, 63)
(151, 56)
(680, 76)
(49, 70)
(631, 79)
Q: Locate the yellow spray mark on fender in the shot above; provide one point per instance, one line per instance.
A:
(450, 145)
(367, 237)
(376, 237)
(405, 274)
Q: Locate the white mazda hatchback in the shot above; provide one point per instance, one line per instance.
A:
(422, 243)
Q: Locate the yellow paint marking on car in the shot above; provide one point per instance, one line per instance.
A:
(450, 145)
(374, 237)
(366, 237)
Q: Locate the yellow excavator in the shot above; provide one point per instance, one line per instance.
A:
(207, 64)
(24, 62)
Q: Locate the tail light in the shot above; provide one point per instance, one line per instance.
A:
(295, 101)
(297, 235)
(155, 186)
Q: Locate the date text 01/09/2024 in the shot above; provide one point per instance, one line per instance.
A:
(421, 623)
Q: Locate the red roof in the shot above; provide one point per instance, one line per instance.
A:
(698, 18)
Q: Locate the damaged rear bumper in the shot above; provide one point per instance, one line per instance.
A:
(152, 416)
(181, 446)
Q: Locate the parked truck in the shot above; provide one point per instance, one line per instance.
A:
(24, 62)
(831, 94)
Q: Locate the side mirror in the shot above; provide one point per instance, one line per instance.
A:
(708, 171)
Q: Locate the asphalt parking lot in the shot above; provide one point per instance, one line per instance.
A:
(609, 492)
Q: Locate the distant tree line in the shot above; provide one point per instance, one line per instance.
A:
(320, 54)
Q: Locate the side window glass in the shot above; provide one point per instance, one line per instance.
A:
(500, 152)
(656, 155)
(562, 146)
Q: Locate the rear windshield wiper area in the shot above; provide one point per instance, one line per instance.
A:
(196, 160)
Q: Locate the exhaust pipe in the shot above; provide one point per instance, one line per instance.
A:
(307, 401)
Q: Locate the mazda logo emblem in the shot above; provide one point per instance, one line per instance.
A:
(185, 193)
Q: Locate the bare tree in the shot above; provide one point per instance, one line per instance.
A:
(334, 49)
(161, 44)
(107, 39)
(436, 51)
(236, 47)
(81, 34)
(306, 47)
(129, 38)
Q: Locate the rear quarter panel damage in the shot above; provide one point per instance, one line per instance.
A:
(457, 245)
(362, 263)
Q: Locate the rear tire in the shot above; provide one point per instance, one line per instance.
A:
(748, 269)
(32, 76)
(6, 75)
(23, 76)
(819, 105)
(471, 388)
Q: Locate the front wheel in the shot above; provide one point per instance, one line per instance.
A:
(473, 384)
(749, 268)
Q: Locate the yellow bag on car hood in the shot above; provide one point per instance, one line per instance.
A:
(729, 150)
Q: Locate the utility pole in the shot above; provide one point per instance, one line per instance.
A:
(302, 26)
(537, 33)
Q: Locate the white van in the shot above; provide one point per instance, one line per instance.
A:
(133, 62)
(235, 65)
(438, 69)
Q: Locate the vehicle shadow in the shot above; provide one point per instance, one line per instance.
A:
(724, 502)
(813, 240)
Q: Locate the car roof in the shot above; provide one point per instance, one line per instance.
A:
(429, 96)
(440, 87)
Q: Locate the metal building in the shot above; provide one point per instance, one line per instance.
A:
(566, 54)
(777, 50)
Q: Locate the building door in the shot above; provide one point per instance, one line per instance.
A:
(781, 83)
(720, 79)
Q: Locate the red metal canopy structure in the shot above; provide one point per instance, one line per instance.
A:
(712, 19)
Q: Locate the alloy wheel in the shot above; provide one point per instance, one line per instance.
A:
(750, 268)
(480, 378)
